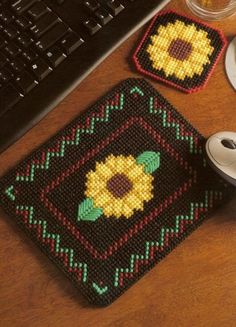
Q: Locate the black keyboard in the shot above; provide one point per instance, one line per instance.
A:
(48, 46)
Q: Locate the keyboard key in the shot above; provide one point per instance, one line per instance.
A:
(92, 26)
(6, 16)
(2, 42)
(29, 55)
(115, 6)
(92, 4)
(9, 96)
(21, 5)
(71, 42)
(11, 49)
(55, 56)
(37, 10)
(17, 65)
(10, 31)
(25, 39)
(52, 36)
(40, 68)
(44, 24)
(103, 16)
(3, 59)
(25, 82)
(5, 75)
(23, 23)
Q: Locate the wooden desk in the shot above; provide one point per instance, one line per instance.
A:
(194, 286)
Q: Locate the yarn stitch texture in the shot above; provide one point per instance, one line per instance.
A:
(179, 51)
(115, 191)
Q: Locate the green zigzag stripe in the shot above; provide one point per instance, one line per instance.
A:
(10, 193)
(61, 152)
(100, 290)
(137, 90)
(164, 231)
(173, 124)
(91, 129)
(56, 238)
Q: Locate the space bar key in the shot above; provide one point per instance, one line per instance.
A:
(9, 96)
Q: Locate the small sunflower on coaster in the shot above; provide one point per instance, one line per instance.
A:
(179, 51)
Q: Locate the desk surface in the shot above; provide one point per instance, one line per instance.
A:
(194, 286)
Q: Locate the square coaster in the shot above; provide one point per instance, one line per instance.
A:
(179, 51)
(115, 191)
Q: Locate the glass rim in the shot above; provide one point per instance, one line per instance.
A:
(210, 13)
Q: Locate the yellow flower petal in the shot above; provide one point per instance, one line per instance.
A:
(101, 199)
(186, 69)
(108, 210)
(127, 211)
(188, 33)
(133, 201)
(130, 161)
(171, 66)
(135, 172)
(119, 163)
(144, 195)
(103, 171)
(140, 188)
(118, 208)
(161, 41)
(198, 61)
(161, 60)
(93, 189)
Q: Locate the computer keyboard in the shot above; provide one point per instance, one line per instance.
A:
(48, 46)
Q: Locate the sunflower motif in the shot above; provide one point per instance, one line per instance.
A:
(119, 186)
(180, 50)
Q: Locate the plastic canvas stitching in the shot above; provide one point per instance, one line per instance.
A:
(179, 51)
(115, 191)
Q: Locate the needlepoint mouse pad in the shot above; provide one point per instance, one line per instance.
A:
(115, 191)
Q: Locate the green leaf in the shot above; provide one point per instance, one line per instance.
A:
(87, 211)
(150, 160)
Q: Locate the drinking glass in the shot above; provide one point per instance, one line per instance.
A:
(212, 9)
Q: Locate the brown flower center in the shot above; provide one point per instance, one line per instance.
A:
(119, 185)
(180, 49)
